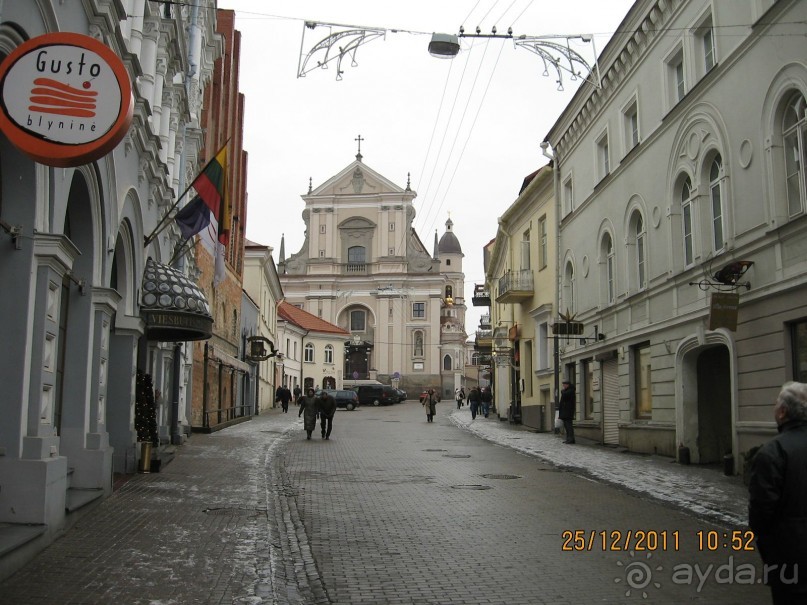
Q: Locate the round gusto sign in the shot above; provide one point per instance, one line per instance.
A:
(65, 99)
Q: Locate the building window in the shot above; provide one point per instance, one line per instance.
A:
(308, 353)
(798, 339)
(676, 77)
(715, 193)
(704, 34)
(419, 310)
(603, 157)
(568, 196)
(641, 373)
(609, 268)
(392, 226)
(322, 253)
(794, 133)
(357, 321)
(568, 289)
(542, 249)
(417, 350)
(588, 388)
(448, 262)
(328, 353)
(447, 363)
(543, 346)
(687, 221)
(322, 228)
(525, 251)
(392, 251)
(356, 255)
(641, 270)
(631, 121)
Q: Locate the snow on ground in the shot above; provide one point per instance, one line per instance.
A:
(702, 491)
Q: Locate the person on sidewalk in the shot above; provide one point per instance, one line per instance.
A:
(327, 410)
(487, 399)
(459, 395)
(777, 510)
(566, 410)
(474, 400)
(309, 407)
(298, 393)
(430, 403)
(284, 396)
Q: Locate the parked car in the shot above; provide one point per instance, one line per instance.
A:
(344, 398)
(401, 395)
(376, 395)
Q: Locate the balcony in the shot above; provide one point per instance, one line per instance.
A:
(515, 286)
(484, 320)
(481, 296)
(484, 339)
(354, 269)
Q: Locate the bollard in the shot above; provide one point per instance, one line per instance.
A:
(145, 457)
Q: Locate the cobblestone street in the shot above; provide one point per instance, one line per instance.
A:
(389, 510)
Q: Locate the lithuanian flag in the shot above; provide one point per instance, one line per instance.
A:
(211, 198)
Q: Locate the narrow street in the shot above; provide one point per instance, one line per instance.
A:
(389, 510)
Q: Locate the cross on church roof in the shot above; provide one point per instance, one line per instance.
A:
(359, 139)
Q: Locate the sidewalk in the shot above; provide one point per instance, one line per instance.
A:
(702, 491)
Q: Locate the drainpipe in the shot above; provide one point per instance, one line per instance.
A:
(558, 277)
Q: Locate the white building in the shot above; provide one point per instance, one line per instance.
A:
(364, 268)
(689, 158)
(80, 318)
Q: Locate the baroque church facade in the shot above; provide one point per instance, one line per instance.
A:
(364, 268)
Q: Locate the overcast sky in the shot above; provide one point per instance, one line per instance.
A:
(468, 130)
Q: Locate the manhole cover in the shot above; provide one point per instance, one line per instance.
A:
(476, 487)
(501, 476)
(456, 455)
(435, 450)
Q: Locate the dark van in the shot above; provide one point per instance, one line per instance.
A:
(376, 394)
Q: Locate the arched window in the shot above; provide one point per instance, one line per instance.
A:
(328, 353)
(357, 320)
(688, 222)
(794, 135)
(418, 344)
(308, 353)
(447, 362)
(608, 269)
(641, 269)
(356, 255)
(716, 195)
(568, 302)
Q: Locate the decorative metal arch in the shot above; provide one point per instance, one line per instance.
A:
(346, 42)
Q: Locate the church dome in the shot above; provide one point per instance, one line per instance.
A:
(449, 244)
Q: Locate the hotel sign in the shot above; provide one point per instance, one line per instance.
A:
(65, 99)
(723, 310)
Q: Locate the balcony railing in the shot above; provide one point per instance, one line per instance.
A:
(481, 296)
(484, 320)
(515, 286)
(354, 268)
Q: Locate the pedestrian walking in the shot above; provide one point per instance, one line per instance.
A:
(430, 402)
(327, 410)
(459, 395)
(777, 510)
(566, 410)
(309, 407)
(283, 396)
(487, 398)
(474, 401)
(298, 392)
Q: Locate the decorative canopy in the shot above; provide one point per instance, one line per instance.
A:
(173, 307)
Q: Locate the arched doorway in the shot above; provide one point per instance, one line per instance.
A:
(705, 388)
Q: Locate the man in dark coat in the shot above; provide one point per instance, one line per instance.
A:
(777, 511)
(327, 410)
(566, 410)
(284, 396)
(474, 400)
(487, 399)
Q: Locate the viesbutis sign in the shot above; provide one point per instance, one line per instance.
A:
(65, 99)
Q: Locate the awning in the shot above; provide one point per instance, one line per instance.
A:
(173, 307)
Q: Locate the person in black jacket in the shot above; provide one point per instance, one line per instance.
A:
(327, 410)
(777, 511)
(566, 410)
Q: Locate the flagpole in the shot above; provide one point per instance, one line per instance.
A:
(160, 228)
(181, 251)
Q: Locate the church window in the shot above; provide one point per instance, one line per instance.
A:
(357, 321)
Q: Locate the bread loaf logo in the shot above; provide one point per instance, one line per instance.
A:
(65, 99)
